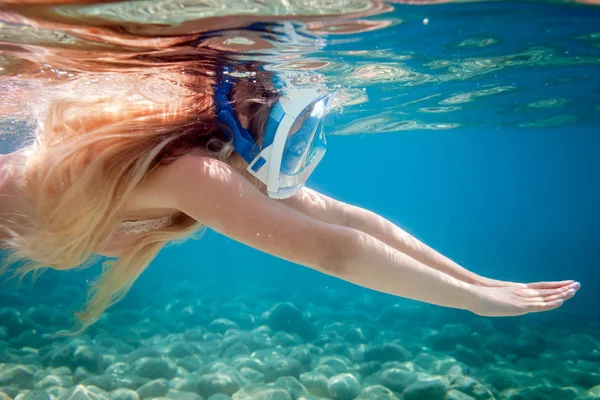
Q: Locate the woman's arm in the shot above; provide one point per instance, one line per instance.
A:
(333, 211)
(215, 194)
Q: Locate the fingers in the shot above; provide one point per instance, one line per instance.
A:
(545, 306)
(565, 295)
(549, 292)
(551, 299)
(561, 296)
(550, 285)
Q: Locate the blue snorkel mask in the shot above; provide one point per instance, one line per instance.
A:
(293, 141)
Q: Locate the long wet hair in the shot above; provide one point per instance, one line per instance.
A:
(93, 148)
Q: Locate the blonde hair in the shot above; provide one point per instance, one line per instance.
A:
(91, 152)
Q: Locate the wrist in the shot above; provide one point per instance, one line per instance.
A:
(473, 297)
(482, 281)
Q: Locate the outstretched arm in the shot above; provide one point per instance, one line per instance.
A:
(325, 208)
(215, 194)
(333, 211)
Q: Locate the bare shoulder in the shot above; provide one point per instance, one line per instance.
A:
(198, 182)
(163, 182)
(189, 170)
(216, 194)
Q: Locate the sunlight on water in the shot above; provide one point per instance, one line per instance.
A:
(550, 103)
(477, 41)
(367, 49)
(470, 96)
(551, 122)
(175, 13)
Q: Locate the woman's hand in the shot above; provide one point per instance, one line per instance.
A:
(518, 298)
(487, 282)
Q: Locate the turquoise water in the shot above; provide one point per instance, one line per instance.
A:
(473, 126)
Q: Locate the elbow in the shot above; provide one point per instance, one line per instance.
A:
(340, 252)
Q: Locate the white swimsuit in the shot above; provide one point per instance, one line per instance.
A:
(143, 226)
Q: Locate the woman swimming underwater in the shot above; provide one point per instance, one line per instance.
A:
(119, 174)
(153, 136)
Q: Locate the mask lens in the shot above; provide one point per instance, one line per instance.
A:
(305, 141)
(304, 148)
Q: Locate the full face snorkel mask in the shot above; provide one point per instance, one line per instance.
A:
(293, 141)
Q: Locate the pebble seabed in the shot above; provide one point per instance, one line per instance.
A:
(267, 345)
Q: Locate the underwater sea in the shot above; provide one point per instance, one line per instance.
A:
(475, 126)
